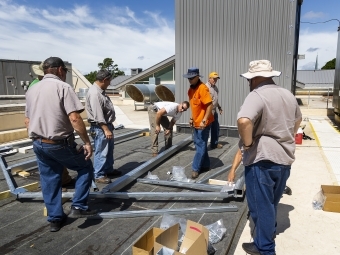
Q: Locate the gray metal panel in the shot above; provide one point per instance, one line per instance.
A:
(315, 77)
(336, 90)
(224, 36)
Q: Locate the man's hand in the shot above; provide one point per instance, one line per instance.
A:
(158, 129)
(167, 131)
(108, 134)
(231, 176)
(87, 151)
(220, 110)
(202, 125)
(191, 122)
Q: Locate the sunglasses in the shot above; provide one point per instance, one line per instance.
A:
(184, 109)
(192, 78)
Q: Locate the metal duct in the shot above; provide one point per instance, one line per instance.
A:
(142, 92)
(166, 92)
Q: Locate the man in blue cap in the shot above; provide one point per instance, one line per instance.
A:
(201, 119)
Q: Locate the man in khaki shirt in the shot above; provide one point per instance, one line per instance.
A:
(267, 123)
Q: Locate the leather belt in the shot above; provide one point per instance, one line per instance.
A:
(43, 140)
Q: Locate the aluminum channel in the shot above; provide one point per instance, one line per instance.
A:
(134, 174)
(181, 211)
(222, 170)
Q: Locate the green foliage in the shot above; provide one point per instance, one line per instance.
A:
(107, 64)
(91, 77)
(329, 65)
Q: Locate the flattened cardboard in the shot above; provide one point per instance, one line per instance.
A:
(332, 194)
(195, 240)
(144, 245)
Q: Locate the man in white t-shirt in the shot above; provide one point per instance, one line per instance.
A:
(158, 113)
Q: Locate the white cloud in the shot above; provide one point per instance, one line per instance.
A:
(83, 38)
(326, 44)
(313, 15)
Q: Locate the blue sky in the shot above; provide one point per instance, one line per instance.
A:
(134, 33)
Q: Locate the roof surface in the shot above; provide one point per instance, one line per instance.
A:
(316, 79)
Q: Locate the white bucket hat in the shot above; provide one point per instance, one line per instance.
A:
(38, 69)
(261, 68)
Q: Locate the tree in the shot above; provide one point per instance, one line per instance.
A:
(91, 77)
(107, 64)
(329, 65)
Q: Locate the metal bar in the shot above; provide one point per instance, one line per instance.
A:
(129, 195)
(134, 174)
(185, 185)
(5, 148)
(181, 211)
(239, 187)
(9, 179)
(33, 163)
(222, 170)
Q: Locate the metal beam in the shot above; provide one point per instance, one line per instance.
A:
(222, 170)
(129, 195)
(181, 211)
(134, 174)
(184, 185)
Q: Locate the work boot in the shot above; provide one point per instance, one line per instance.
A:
(79, 213)
(55, 226)
(219, 146)
(250, 248)
(114, 173)
(194, 174)
(154, 154)
(103, 180)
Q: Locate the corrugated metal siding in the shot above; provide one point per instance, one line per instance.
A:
(316, 79)
(224, 36)
(336, 91)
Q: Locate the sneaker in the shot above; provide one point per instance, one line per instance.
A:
(114, 173)
(79, 213)
(194, 174)
(104, 180)
(250, 248)
(55, 226)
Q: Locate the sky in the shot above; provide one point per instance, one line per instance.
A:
(134, 33)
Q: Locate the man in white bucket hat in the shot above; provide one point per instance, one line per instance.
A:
(267, 123)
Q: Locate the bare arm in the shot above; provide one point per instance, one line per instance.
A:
(27, 122)
(159, 115)
(236, 163)
(245, 129)
(107, 132)
(79, 126)
(206, 115)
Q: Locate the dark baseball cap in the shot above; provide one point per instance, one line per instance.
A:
(53, 62)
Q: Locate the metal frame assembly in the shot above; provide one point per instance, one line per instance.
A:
(206, 191)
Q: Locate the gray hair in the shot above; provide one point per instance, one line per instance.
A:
(103, 74)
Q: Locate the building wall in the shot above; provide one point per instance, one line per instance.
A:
(225, 35)
(15, 72)
(336, 93)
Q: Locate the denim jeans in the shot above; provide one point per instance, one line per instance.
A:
(103, 151)
(51, 160)
(265, 182)
(215, 131)
(201, 158)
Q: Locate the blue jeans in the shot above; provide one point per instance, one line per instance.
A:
(201, 158)
(265, 182)
(215, 131)
(103, 151)
(51, 160)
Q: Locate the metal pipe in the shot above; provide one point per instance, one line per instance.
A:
(10, 183)
(134, 174)
(148, 213)
(129, 195)
(222, 170)
(185, 185)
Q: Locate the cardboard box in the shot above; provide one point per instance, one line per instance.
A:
(144, 245)
(332, 194)
(195, 241)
